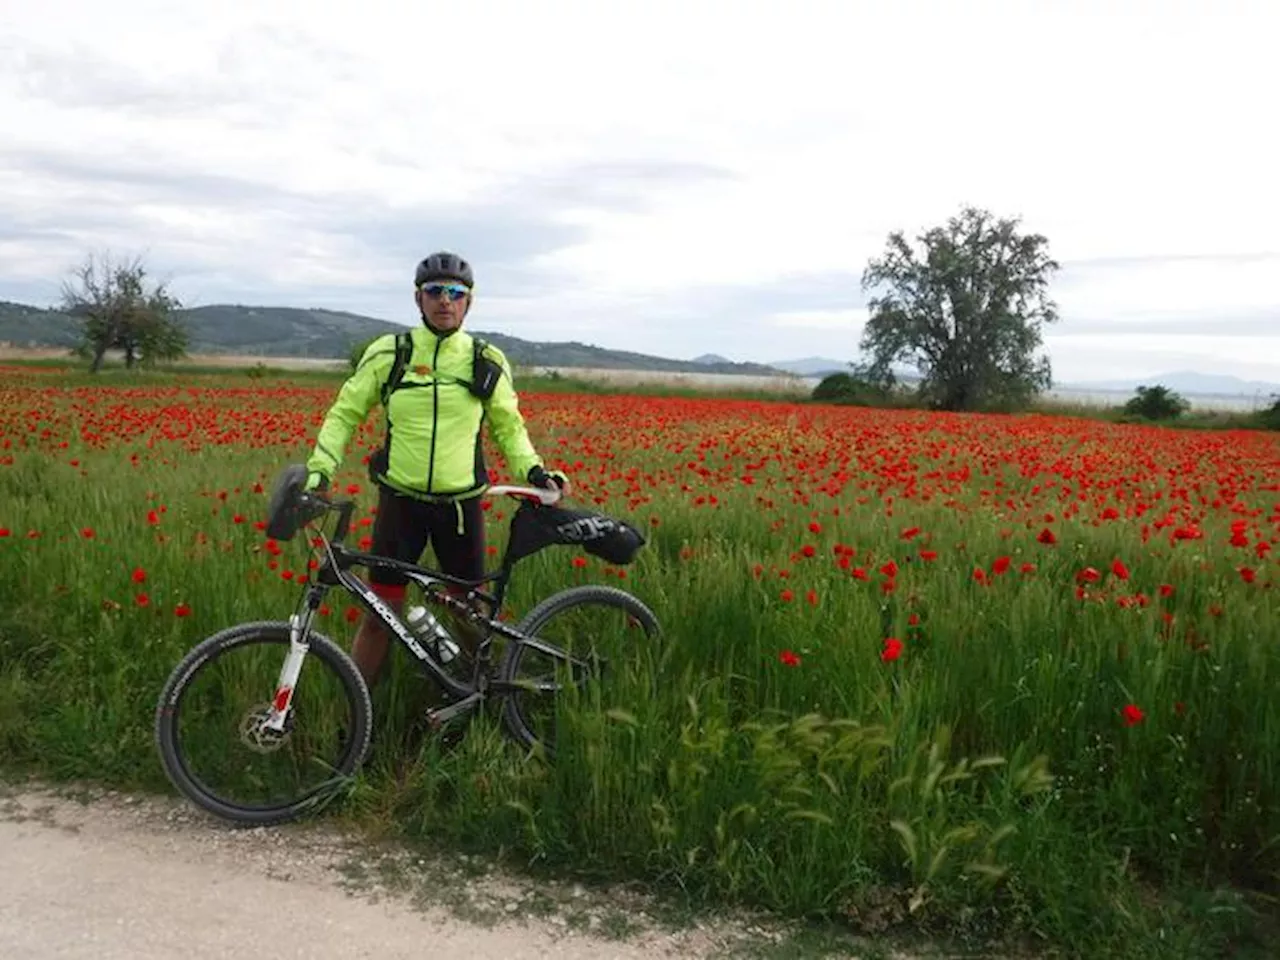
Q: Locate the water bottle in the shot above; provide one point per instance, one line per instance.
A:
(426, 627)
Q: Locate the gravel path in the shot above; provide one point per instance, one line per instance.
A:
(102, 875)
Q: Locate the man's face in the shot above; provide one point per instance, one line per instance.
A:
(444, 303)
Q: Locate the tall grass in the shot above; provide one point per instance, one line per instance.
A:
(1062, 747)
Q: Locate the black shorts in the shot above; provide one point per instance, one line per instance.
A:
(404, 526)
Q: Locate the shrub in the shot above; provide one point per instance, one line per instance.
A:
(1270, 417)
(849, 388)
(1156, 403)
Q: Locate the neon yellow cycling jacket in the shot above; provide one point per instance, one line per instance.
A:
(433, 419)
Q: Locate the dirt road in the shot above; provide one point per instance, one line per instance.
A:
(106, 876)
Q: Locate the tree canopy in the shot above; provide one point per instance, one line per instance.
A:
(119, 310)
(965, 310)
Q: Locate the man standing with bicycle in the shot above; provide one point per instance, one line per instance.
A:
(438, 386)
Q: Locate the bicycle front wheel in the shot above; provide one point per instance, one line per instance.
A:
(219, 749)
(591, 652)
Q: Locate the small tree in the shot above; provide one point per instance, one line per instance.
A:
(965, 311)
(1156, 403)
(119, 312)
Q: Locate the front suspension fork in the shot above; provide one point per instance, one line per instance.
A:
(282, 700)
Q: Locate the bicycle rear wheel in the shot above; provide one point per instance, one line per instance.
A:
(592, 654)
(213, 741)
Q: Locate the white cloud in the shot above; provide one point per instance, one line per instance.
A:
(844, 321)
(1177, 287)
(599, 161)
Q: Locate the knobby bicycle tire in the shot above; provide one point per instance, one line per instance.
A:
(169, 707)
(539, 617)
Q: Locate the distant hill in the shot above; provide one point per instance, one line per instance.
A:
(574, 354)
(293, 332)
(1181, 381)
(222, 329)
(26, 326)
(812, 366)
(279, 331)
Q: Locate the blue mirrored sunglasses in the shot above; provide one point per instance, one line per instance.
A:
(454, 291)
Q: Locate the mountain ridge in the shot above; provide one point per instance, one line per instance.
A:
(1180, 381)
(239, 329)
(268, 331)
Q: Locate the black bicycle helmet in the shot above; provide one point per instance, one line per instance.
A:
(443, 266)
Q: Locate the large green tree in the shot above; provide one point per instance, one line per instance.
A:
(120, 310)
(965, 308)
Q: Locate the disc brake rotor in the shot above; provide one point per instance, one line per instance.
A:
(257, 736)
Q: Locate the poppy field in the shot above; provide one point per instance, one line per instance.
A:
(967, 672)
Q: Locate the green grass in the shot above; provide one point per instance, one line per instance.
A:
(984, 786)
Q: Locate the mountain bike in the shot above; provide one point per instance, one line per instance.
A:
(283, 715)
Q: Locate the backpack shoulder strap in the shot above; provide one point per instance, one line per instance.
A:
(404, 350)
(485, 372)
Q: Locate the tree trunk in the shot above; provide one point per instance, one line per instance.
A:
(128, 357)
(98, 353)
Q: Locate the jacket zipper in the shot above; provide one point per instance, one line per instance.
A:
(435, 412)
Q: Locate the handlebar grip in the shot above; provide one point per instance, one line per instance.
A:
(318, 505)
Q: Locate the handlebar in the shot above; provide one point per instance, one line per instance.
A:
(312, 501)
(542, 494)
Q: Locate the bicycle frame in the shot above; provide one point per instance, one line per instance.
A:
(334, 571)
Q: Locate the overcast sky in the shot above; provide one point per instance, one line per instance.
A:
(675, 178)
